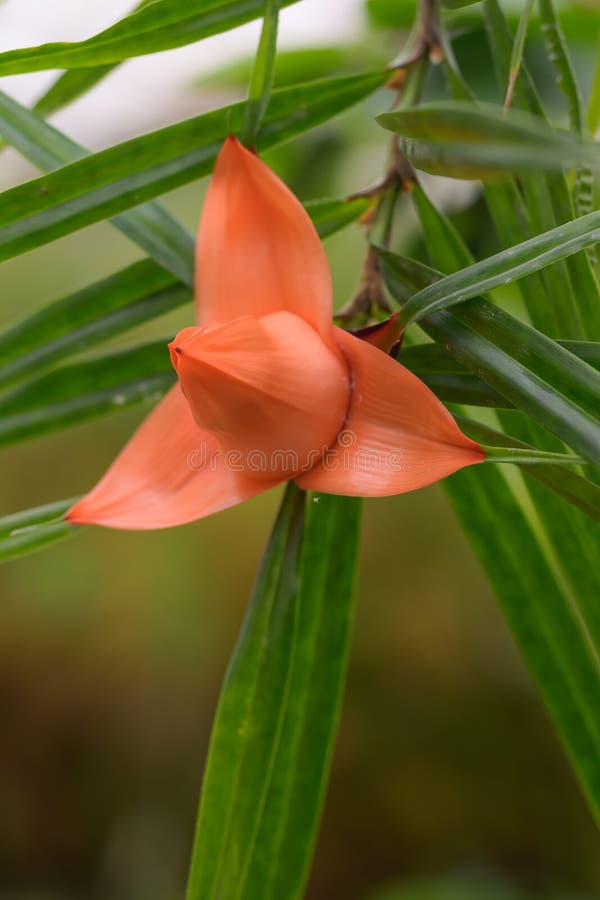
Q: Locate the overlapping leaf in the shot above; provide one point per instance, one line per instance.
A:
(111, 181)
(273, 733)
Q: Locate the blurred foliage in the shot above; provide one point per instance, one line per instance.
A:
(111, 658)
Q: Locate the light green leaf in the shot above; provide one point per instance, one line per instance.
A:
(156, 26)
(263, 70)
(278, 712)
(571, 487)
(32, 529)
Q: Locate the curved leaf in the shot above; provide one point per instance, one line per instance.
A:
(156, 26)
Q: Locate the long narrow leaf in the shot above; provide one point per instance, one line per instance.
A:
(453, 138)
(539, 614)
(30, 530)
(134, 295)
(278, 712)
(111, 181)
(530, 370)
(151, 226)
(502, 268)
(160, 25)
(93, 314)
(263, 72)
(85, 390)
(549, 198)
(577, 491)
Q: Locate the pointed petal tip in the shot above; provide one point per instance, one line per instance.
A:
(397, 437)
(257, 250)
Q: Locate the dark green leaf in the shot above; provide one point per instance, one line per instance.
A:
(106, 183)
(150, 226)
(93, 314)
(84, 390)
(532, 371)
(278, 712)
(460, 139)
(571, 286)
(539, 613)
(134, 295)
(502, 268)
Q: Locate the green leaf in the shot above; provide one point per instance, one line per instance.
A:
(516, 57)
(32, 529)
(549, 545)
(156, 26)
(502, 268)
(93, 314)
(467, 141)
(85, 390)
(278, 712)
(566, 80)
(261, 80)
(134, 295)
(532, 371)
(539, 613)
(106, 183)
(329, 216)
(150, 226)
(593, 111)
(571, 285)
(573, 538)
(571, 487)
(72, 84)
(69, 86)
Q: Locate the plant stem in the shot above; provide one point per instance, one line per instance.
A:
(261, 80)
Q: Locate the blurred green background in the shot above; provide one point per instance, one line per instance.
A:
(448, 782)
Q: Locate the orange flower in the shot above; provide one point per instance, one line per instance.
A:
(268, 389)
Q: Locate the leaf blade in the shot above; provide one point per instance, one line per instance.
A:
(107, 183)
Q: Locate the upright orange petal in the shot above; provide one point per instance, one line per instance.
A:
(257, 250)
(270, 389)
(397, 436)
(169, 473)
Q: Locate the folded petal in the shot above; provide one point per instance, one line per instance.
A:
(257, 250)
(270, 389)
(397, 436)
(169, 473)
